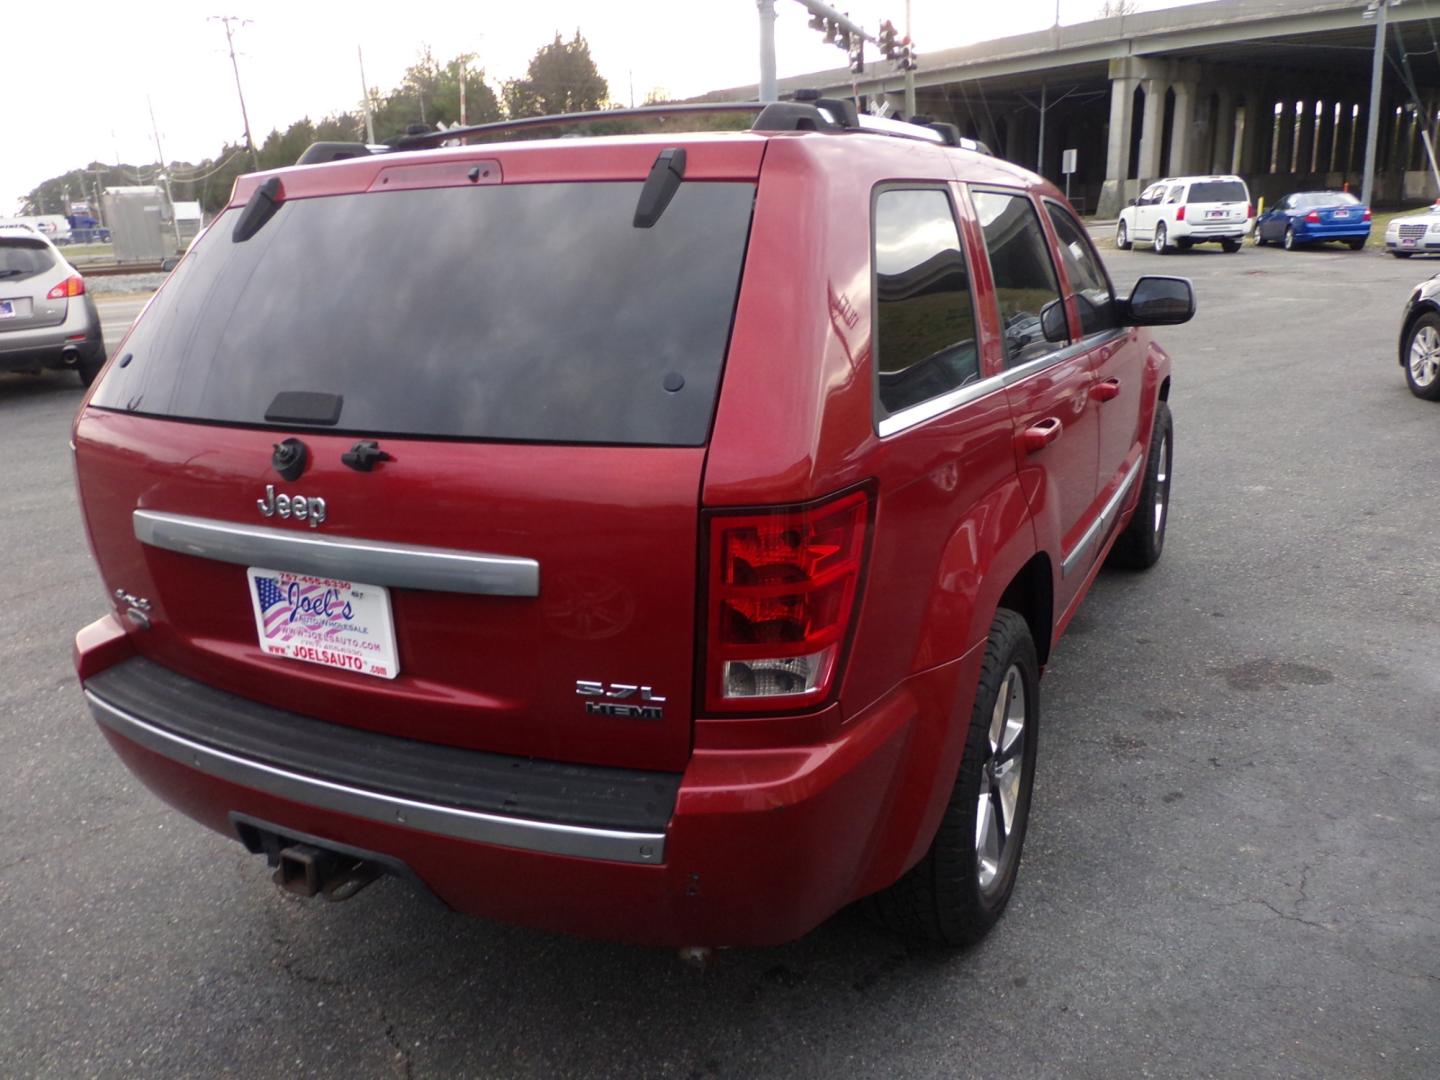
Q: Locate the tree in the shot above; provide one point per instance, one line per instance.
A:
(1111, 8)
(429, 94)
(562, 78)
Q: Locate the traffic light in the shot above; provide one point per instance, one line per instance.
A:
(887, 40)
(857, 56)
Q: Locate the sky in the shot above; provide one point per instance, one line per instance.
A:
(94, 68)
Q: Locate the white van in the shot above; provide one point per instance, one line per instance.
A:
(1182, 211)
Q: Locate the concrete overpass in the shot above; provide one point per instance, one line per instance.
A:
(1276, 90)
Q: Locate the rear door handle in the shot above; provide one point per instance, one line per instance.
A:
(1106, 391)
(1041, 434)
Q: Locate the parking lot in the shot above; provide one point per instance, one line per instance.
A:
(1233, 867)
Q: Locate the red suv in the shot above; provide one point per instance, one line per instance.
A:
(657, 538)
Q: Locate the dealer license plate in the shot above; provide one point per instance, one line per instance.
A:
(7, 309)
(1341, 214)
(339, 624)
(1407, 241)
(1217, 213)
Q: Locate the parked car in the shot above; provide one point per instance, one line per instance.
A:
(47, 319)
(1420, 340)
(1182, 211)
(652, 537)
(1314, 217)
(1414, 233)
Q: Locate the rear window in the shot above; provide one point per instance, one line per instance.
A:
(22, 258)
(524, 312)
(1218, 191)
(1325, 198)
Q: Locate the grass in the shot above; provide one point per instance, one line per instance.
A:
(105, 252)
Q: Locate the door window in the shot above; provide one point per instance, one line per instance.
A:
(924, 315)
(1024, 275)
(1094, 295)
(1177, 194)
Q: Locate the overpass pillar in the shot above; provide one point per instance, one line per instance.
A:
(1151, 129)
(1306, 155)
(1182, 130)
(1117, 150)
(1222, 157)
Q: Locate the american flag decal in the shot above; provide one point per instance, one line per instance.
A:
(324, 621)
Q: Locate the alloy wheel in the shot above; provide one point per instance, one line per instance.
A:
(1425, 357)
(1162, 486)
(1160, 242)
(1001, 781)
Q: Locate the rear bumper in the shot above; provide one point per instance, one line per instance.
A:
(758, 847)
(62, 345)
(1333, 232)
(1199, 232)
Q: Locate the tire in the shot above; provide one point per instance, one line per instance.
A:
(1290, 242)
(959, 888)
(1355, 245)
(1422, 356)
(1140, 545)
(89, 366)
(1260, 240)
(1122, 237)
(1230, 246)
(1162, 240)
(1402, 254)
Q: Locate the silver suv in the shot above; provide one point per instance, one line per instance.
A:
(47, 319)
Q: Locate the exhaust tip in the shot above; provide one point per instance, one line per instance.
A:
(70, 355)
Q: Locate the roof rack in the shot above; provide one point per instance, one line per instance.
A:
(808, 110)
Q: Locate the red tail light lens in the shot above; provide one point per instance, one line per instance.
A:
(71, 286)
(782, 590)
(1365, 216)
(1250, 210)
(1313, 217)
(1180, 213)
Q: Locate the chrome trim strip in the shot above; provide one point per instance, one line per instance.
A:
(473, 825)
(373, 562)
(1102, 523)
(1069, 352)
(928, 410)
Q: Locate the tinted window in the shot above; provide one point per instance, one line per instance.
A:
(526, 312)
(1218, 191)
(925, 320)
(1311, 200)
(21, 258)
(1093, 295)
(1176, 194)
(1024, 275)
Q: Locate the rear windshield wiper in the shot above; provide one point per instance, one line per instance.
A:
(261, 207)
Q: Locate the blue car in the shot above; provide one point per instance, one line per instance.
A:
(1312, 217)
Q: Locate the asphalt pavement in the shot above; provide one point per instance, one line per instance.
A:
(1233, 867)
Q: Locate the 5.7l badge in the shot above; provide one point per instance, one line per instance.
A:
(611, 695)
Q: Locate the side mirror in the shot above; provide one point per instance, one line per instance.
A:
(1053, 322)
(1159, 301)
(1135, 201)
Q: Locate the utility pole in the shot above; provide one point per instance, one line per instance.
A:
(164, 173)
(768, 89)
(1372, 127)
(909, 68)
(365, 91)
(230, 41)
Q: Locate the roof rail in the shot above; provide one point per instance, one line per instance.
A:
(318, 152)
(436, 138)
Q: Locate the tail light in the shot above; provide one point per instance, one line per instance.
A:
(783, 585)
(1180, 213)
(1250, 210)
(74, 285)
(1365, 216)
(1313, 217)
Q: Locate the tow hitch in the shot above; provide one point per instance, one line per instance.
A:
(306, 870)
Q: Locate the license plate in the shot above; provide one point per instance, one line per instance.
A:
(338, 624)
(1408, 241)
(1341, 214)
(1217, 213)
(7, 309)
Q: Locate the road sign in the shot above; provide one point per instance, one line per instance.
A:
(1067, 161)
